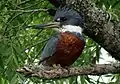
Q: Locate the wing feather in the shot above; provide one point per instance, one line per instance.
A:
(49, 48)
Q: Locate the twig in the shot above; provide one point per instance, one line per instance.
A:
(26, 11)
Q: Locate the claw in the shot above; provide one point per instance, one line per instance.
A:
(57, 66)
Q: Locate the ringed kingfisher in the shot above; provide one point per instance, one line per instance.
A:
(68, 43)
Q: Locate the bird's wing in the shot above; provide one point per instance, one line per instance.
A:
(49, 48)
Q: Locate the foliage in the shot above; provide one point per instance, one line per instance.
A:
(19, 46)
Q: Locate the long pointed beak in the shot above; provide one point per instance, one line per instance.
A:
(48, 25)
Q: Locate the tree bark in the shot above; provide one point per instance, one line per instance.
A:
(98, 69)
(98, 25)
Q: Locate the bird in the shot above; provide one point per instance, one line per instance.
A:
(68, 43)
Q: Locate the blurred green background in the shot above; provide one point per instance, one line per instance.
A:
(19, 46)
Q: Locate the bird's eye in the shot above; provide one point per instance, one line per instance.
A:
(61, 19)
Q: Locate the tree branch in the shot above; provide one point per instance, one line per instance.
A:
(98, 69)
(98, 25)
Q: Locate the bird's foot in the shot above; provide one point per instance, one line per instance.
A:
(57, 66)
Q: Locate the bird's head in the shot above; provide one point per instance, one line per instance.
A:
(67, 16)
(65, 19)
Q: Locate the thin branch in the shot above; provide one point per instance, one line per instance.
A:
(23, 2)
(27, 11)
(98, 69)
